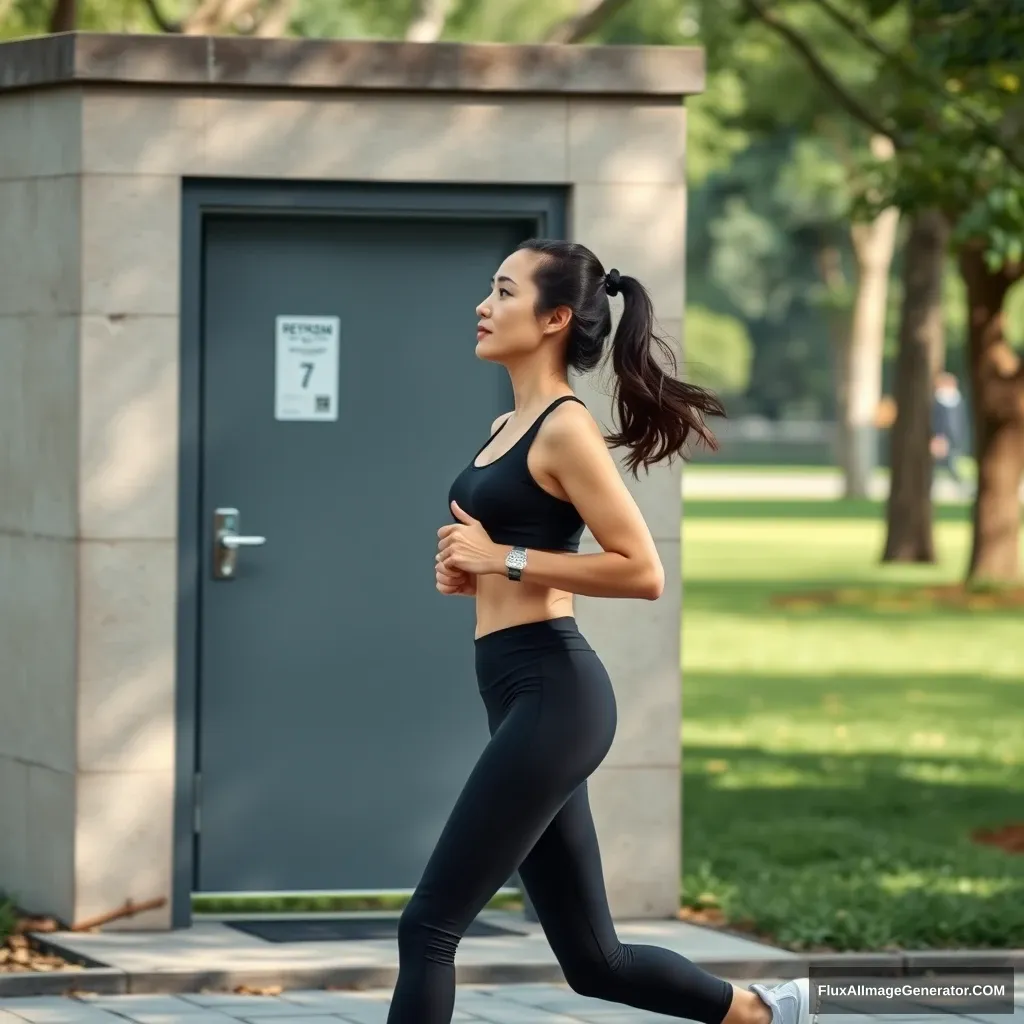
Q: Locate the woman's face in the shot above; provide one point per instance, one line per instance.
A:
(508, 325)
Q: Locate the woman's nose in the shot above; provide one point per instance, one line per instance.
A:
(483, 310)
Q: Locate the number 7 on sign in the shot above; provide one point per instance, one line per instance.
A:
(306, 347)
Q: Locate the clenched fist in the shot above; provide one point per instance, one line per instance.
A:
(455, 583)
(465, 551)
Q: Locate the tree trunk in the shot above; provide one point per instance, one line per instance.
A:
(428, 21)
(997, 393)
(64, 16)
(873, 244)
(275, 20)
(909, 536)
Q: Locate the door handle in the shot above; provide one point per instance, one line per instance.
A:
(226, 542)
(233, 540)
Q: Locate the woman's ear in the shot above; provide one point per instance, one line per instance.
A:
(556, 320)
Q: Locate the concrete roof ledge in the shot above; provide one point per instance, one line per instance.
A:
(332, 64)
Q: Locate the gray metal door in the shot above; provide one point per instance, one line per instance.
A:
(338, 716)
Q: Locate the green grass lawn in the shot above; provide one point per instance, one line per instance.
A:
(837, 758)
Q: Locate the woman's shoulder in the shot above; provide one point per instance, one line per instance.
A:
(569, 427)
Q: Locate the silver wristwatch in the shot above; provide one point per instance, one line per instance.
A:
(515, 563)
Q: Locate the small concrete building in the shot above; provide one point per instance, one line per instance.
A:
(237, 291)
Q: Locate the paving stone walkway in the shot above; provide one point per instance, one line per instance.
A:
(496, 1004)
(214, 954)
(823, 485)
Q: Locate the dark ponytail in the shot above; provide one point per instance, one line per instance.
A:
(656, 412)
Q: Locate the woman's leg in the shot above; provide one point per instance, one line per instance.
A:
(564, 878)
(523, 777)
(565, 881)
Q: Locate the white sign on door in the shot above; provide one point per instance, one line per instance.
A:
(306, 373)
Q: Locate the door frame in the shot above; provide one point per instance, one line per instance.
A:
(545, 206)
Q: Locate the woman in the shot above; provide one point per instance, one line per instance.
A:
(520, 507)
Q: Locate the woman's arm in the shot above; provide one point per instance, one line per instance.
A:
(606, 574)
(571, 450)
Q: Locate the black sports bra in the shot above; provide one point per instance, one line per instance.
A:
(513, 508)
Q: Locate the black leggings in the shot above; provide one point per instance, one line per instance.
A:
(551, 713)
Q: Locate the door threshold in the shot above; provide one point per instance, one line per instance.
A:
(325, 905)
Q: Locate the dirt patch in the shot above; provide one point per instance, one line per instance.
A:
(1009, 838)
(910, 599)
(712, 917)
(20, 955)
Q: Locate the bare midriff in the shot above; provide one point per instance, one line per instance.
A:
(502, 602)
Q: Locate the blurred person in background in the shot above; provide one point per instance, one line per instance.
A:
(949, 427)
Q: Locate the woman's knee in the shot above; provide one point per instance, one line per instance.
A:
(591, 975)
(423, 935)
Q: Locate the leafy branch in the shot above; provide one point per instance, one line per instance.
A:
(866, 38)
(846, 99)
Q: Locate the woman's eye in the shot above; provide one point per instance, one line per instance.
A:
(503, 291)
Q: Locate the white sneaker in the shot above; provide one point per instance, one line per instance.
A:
(789, 1002)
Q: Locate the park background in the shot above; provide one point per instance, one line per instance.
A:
(853, 640)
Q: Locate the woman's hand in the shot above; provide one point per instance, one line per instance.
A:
(465, 547)
(455, 583)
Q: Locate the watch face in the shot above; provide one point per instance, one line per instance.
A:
(516, 559)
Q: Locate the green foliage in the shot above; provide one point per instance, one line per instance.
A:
(318, 20)
(24, 18)
(973, 34)
(756, 231)
(749, 260)
(814, 185)
(782, 92)
(21, 18)
(714, 131)
(955, 91)
(944, 76)
(352, 19)
(997, 216)
(514, 21)
(650, 22)
(767, 219)
(719, 352)
(880, 8)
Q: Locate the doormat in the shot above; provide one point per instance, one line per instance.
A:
(344, 929)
